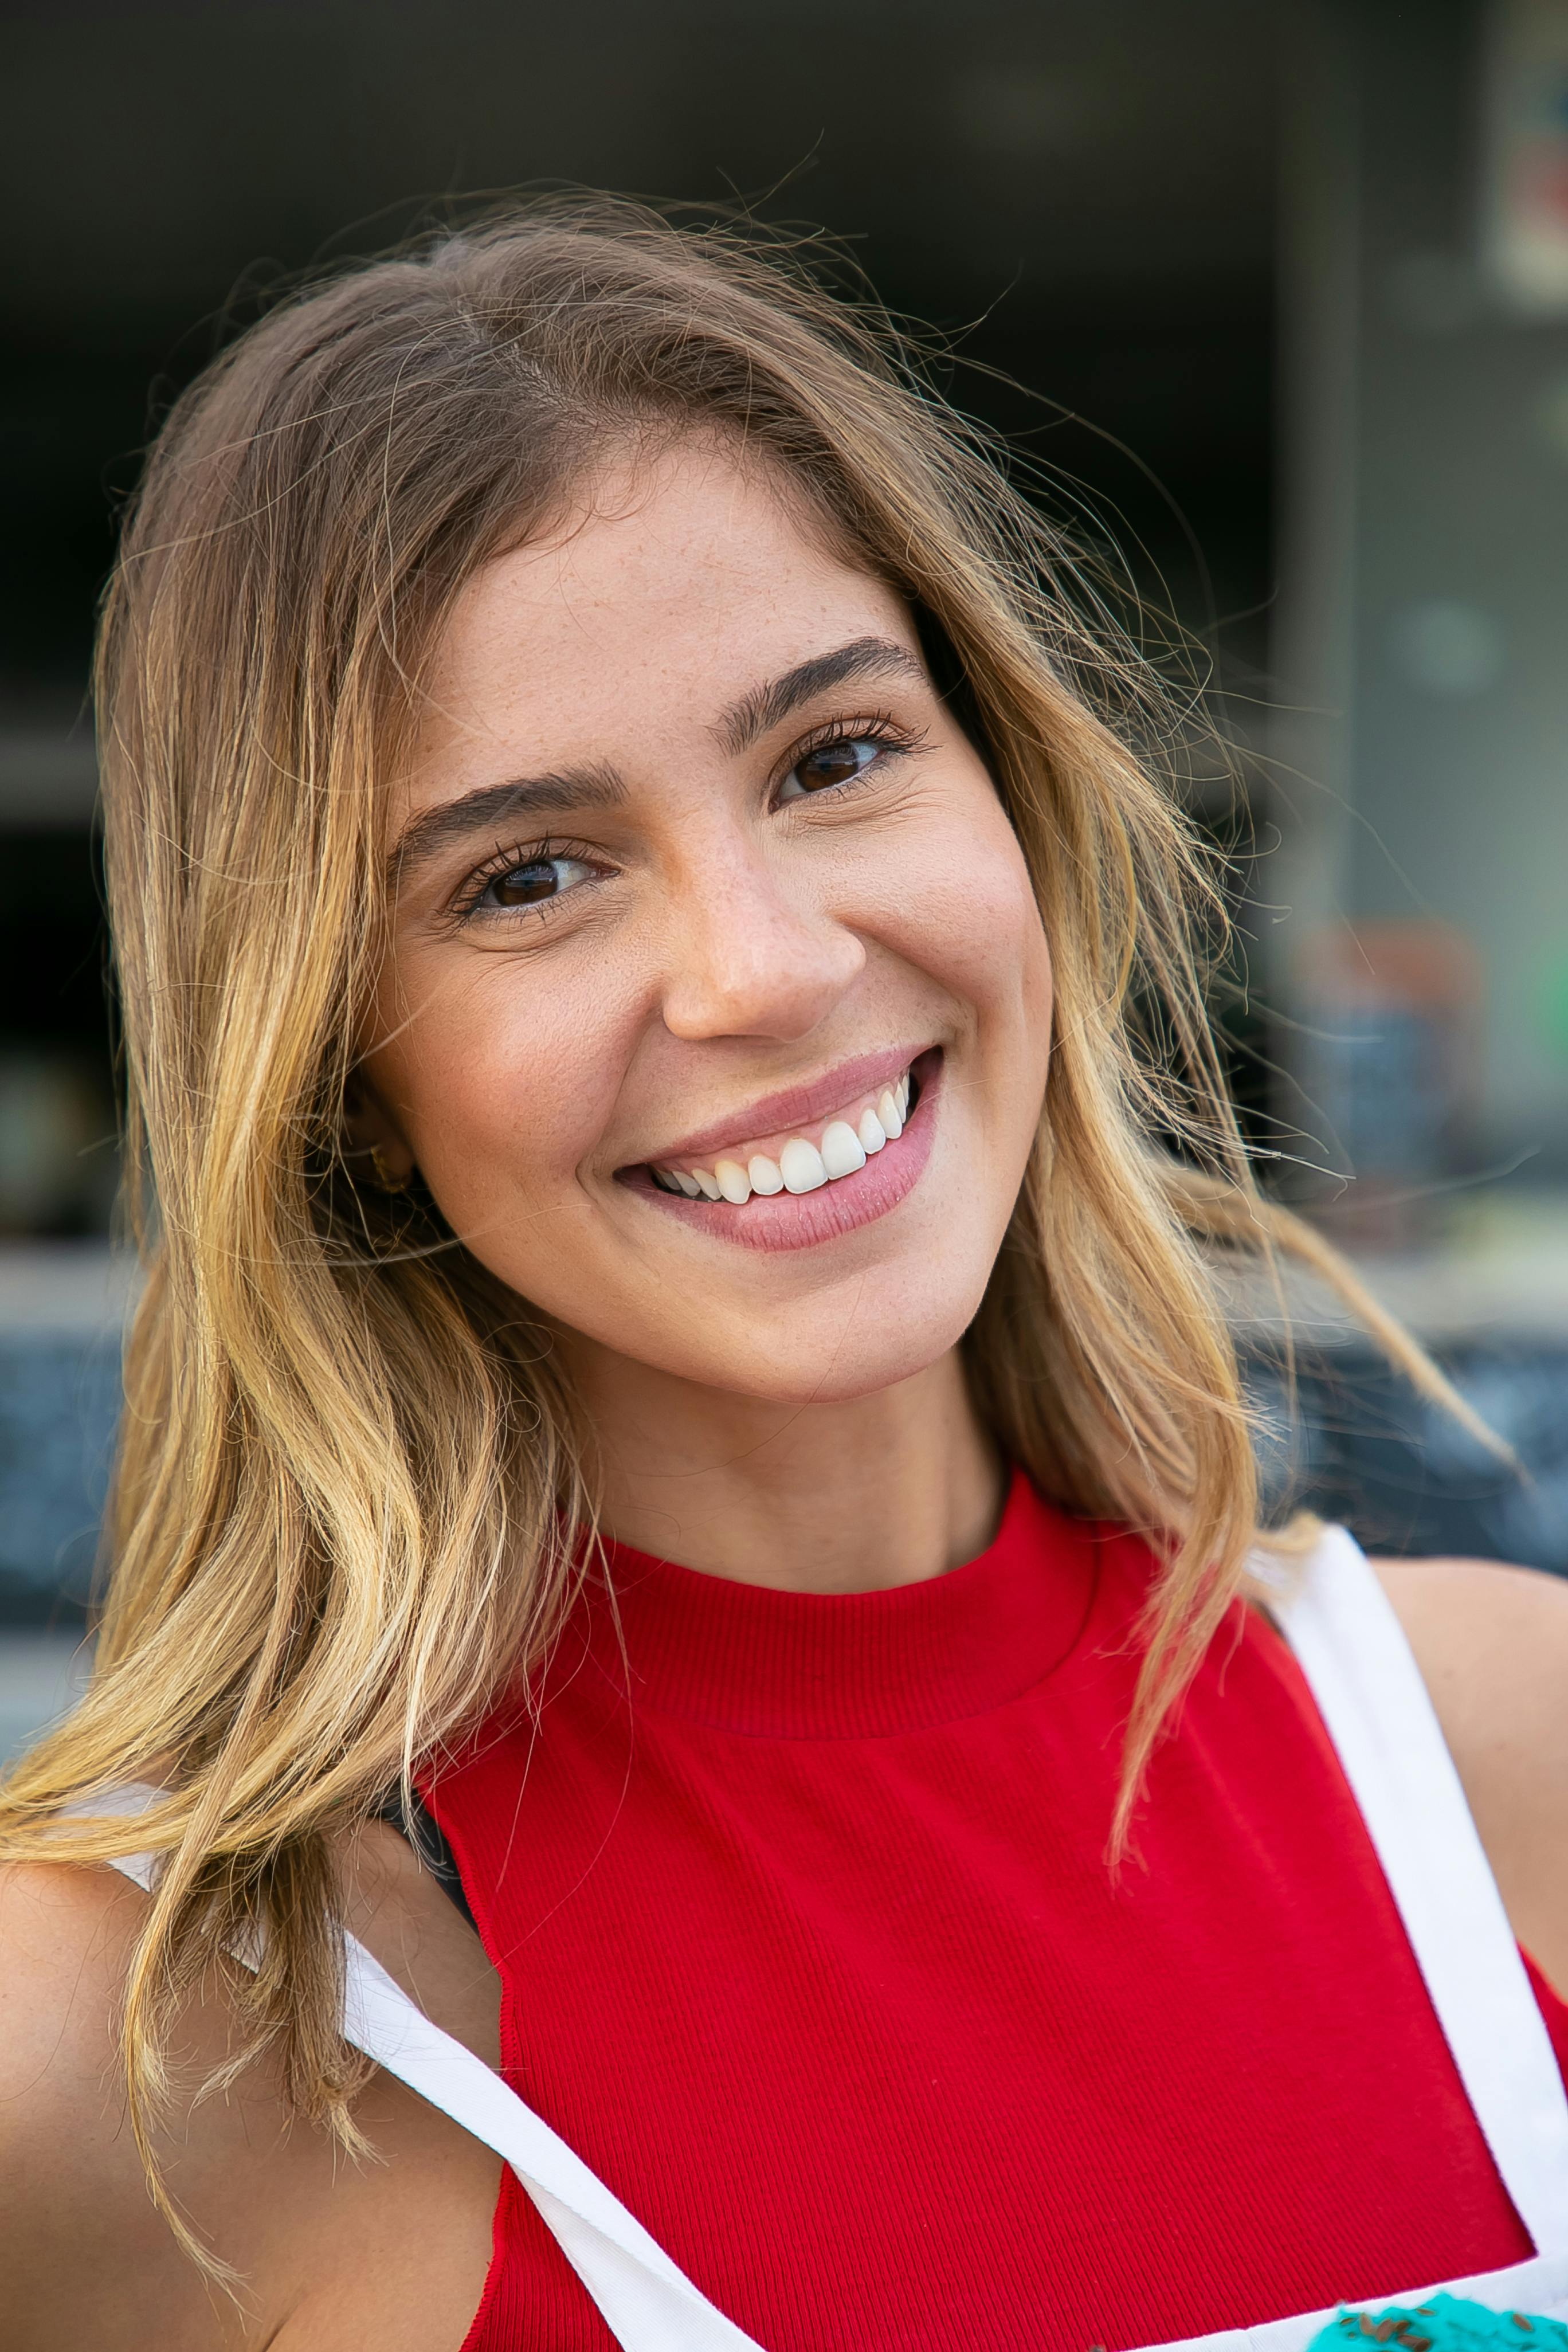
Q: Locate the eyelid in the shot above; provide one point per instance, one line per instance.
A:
(464, 901)
(870, 727)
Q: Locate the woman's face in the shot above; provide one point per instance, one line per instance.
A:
(701, 891)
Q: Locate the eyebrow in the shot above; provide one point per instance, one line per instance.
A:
(764, 706)
(490, 807)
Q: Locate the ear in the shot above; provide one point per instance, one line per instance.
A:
(371, 1131)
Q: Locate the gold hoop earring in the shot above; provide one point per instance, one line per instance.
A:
(385, 1176)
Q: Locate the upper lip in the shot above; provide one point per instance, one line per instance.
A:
(795, 1107)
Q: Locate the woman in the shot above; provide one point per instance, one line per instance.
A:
(671, 1347)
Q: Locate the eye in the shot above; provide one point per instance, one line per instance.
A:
(839, 763)
(531, 882)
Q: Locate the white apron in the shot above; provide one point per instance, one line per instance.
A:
(1355, 1655)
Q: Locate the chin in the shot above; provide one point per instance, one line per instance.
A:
(837, 1359)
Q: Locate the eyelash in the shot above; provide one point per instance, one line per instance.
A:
(507, 861)
(880, 728)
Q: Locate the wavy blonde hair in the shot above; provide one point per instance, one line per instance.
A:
(351, 1487)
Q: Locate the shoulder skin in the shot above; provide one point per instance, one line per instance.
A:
(332, 2253)
(1492, 1644)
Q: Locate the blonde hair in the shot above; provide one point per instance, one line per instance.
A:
(351, 1491)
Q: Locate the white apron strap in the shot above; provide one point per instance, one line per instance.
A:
(648, 2303)
(1351, 1648)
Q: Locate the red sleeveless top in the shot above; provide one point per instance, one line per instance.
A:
(809, 1949)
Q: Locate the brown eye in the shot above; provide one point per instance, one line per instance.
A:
(533, 881)
(830, 765)
(525, 885)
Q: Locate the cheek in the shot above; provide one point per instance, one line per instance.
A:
(502, 1080)
(965, 911)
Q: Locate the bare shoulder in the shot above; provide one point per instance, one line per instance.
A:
(330, 2253)
(71, 2182)
(65, 1935)
(1492, 1645)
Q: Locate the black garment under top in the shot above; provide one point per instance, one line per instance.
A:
(416, 1823)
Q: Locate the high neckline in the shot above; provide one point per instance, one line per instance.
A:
(748, 1659)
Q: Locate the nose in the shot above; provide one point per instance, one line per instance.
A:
(749, 957)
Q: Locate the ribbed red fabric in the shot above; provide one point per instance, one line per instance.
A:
(809, 1949)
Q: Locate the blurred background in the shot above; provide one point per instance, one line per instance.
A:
(1275, 301)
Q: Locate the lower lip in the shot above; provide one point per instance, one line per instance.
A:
(790, 1221)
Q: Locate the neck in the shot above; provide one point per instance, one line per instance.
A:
(849, 1496)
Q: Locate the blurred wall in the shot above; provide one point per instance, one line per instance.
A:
(1082, 187)
(1427, 541)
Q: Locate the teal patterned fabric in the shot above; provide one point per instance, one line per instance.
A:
(1444, 2324)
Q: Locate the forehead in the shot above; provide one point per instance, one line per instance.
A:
(676, 584)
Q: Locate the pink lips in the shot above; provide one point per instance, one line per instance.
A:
(785, 1220)
(796, 1106)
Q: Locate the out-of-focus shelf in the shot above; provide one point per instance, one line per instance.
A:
(1352, 1438)
(77, 1288)
(1502, 1275)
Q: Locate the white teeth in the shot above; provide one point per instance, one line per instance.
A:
(800, 1165)
(842, 1152)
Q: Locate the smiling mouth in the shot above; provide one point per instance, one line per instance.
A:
(829, 1153)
